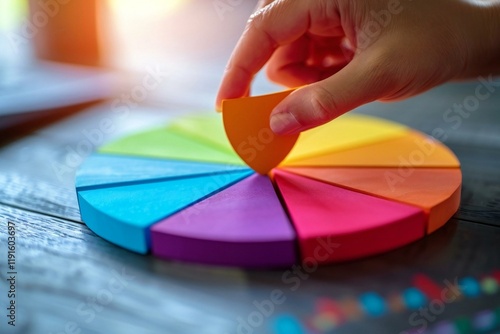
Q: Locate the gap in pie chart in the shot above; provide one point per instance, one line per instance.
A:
(355, 187)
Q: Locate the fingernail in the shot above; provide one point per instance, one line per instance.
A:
(284, 123)
(218, 106)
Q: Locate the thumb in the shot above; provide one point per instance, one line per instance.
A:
(359, 82)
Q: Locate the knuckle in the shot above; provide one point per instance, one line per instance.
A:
(255, 20)
(273, 73)
(386, 72)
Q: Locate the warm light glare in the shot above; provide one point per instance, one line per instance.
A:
(148, 8)
(138, 32)
(12, 12)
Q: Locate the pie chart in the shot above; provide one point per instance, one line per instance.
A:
(355, 187)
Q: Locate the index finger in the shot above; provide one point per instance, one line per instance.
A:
(278, 23)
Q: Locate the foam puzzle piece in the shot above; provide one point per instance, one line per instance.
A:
(344, 132)
(162, 143)
(208, 129)
(243, 225)
(335, 224)
(436, 190)
(246, 121)
(411, 149)
(103, 169)
(123, 214)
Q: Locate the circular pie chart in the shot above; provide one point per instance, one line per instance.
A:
(355, 187)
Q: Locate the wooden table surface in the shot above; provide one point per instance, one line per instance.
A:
(71, 281)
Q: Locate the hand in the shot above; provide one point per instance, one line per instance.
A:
(348, 53)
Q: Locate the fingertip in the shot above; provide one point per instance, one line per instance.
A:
(218, 100)
(235, 84)
(284, 119)
(218, 106)
(284, 123)
(296, 112)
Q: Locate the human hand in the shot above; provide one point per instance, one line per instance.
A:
(349, 53)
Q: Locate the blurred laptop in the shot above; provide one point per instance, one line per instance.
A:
(47, 68)
(41, 89)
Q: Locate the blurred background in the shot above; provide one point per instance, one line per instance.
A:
(187, 40)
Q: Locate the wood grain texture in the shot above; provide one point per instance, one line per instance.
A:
(21, 191)
(63, 267)
(481, 184)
